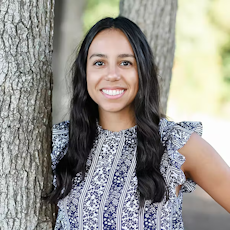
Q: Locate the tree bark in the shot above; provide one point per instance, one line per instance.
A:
(68, 32)
(157, 20)
(26, 29)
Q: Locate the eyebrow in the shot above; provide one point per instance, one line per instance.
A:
(105, 56)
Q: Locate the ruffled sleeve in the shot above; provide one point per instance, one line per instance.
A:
(60, 139)
(174, 136)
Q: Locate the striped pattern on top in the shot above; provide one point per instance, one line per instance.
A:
(108, 197)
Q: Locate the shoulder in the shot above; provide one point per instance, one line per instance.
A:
(60, 133)
(60, 139)
(61, 127)
(175, 135)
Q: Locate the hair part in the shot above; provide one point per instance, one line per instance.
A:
(84, 114)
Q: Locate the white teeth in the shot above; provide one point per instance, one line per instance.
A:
(113, 92)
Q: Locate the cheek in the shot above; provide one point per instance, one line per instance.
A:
(92, 86)
(136, 90)
(89, 85)
(136, 83)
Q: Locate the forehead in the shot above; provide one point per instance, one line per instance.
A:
(112, 41)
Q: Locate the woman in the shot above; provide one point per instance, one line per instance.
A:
(118, 164)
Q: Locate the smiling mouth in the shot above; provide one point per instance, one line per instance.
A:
(113, 92)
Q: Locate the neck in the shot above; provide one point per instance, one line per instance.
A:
(116, 121)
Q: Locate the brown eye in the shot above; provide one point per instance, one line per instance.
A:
(126, 63)
(99, 63)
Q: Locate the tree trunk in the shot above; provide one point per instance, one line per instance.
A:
(157, 20)
(68, 32)
(26, 29)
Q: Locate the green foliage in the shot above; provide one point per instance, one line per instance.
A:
(226, 62)
(201, 74)
(220, 18)
(98, 9)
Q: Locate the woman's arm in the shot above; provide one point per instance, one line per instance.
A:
(205, 166)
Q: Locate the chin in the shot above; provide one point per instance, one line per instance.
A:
(112, 109)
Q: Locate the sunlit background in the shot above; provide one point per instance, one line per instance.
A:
(200, 87)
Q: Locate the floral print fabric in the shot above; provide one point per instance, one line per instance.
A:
(108, 197)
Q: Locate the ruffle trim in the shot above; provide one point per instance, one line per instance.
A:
(174, 136)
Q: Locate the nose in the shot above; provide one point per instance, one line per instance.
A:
(113, 74)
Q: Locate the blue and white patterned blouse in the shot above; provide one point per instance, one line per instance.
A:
(108, 198)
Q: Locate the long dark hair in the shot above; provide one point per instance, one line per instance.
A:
(84, 114)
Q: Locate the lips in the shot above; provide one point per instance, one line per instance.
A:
(113, 93)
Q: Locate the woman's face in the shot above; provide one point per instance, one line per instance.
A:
(112, 76)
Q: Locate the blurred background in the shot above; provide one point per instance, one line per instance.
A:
(200, 86)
